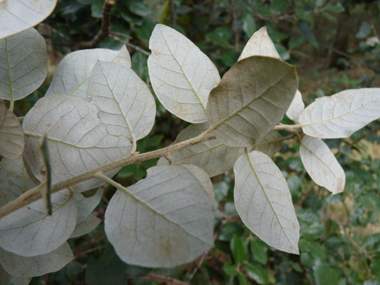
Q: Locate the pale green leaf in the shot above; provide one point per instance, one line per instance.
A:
(16, 16)
(73, 72)
(296, 107)
(23, 64)
(164, 220)
(260, 44)
(86, 226)
(5, 277)
(126, 104)
(30, 232)
(251, 99)
(264, 202)
(212, 156)
(11, 135)
(181, 75)
(78, 142)
(87, 205)
(14, 180)
(36, 265)
(342, 114)
(322, 165)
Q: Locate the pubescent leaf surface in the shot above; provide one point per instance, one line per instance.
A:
(182, 76)
(37, 265)
(23, 63)
(342, 114)
(73, 72)
(322, 165)
(16, 16)
(78, 141)
(163, 220)
(296, 107)
(126, 104)
(87, 205)
(264, 202)
(30, 232)
(86, 226)
(12, 141)
(251, 99)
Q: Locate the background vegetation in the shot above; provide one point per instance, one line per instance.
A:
(335, 46)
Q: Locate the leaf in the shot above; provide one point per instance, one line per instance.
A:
(5, 277)
(164, 220)
(139, 9)
(325, 275)
(342, 114)
(296, 107)
(307, 33)
(230, 269)
(212, 156)
(87, 205)
(16, 280)
(259, 251)
(259, 44)
(29, 232)
(220, 36)
(250, 100)
(23, 63)
(270, 144)
(126, 104)
(16, 16)
(181, 75)
(11, 135)
(14, 180)
(249, 25)
(242, 279)
(322, 165)
(264, 203)
(73, 72)
(86, 226)
(256, 272)
(239, 249)
(364, 31)
(78, 142)
(37, 265)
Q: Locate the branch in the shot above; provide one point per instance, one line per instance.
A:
(173, 13)
(116, 38)
(366, 135)
(104, 30)
(34, 195)
(162, 278)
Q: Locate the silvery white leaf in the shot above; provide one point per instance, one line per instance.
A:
(163, 220)
(73, 72)
(14, 180)
(36, 265)
(23, 63)
(16, 16)
(182, 76)
(17, 280)
(296, 107)
(264, 202)
(322, 165)
(11, 135)
(342, 114)
(260, 44)
(251, 99)
(126, 104)
(78, 141)
(86, 226)
(87, 205)
(30, 232)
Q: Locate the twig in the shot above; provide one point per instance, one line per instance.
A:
(104, 30)
(120, 35)
(372, 23)
(162, 278)
(236, 33)
(116, 38)
(169, 158)
(366, 135)
(173, 12)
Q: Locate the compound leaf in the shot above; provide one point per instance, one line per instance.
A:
(36, 265)
(30, 232)
(86, 226)
(126, 104)
(23, 63)
(342, 114)
(78, 142)
(296, 107)
(264, 202)
(73, 72)
(12, 141)
(16, 16)
(181, 75)
(322, 165)
(251, 99)
(163, 220)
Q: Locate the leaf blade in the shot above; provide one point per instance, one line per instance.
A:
(296, 107)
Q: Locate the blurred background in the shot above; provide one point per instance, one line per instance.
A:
(335, 46)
